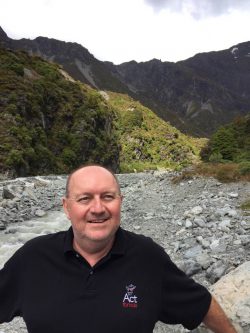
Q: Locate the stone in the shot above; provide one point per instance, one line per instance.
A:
(188, 224)
(2, 226)
(233, 293)
(216, 271)
(8, 193)
(40, 213)
(136, 227)
(204, 260)
(199, 222)
(233, 195)
(30, 193)
(193, 252)
(197, 210)
(191, 267)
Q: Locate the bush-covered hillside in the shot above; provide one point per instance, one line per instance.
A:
(148, 142)
(230, 143)
(52, 124)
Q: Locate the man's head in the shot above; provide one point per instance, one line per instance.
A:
(93, 203)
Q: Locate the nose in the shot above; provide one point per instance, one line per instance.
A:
(97, 206)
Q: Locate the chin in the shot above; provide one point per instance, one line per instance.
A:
(102, 234)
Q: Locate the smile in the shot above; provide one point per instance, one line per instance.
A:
(98, 220)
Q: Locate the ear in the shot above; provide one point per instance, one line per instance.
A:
(66, 207)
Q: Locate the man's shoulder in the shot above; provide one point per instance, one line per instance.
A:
(45, 241)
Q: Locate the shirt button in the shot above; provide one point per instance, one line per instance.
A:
(91, 272)
(77, 255)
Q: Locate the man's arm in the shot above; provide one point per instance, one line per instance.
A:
(216, 319)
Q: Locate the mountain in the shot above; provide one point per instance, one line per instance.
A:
(196, 95)
(51, 123)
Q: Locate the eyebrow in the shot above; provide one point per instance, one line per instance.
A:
(91, 193)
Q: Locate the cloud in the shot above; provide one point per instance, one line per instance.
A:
(199, 9)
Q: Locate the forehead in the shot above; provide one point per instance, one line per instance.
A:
(92, 179)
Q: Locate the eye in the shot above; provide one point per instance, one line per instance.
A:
(108, 197)
(84, 199)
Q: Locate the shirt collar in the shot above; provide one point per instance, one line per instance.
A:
(118, 247)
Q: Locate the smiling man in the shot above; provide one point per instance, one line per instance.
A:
(97, 277)
(93, 205)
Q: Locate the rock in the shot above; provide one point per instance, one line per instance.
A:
(245, 239)
(30, 193)
(136, 227)
(199, 222)
(197, 210)
(204, 260)
(216, 271)
(2, 226)
(233, 292)
(40, 213)
(193, 252)
(188, 224)
(204, 243)
(191, 267)
(8, 193)
(233, 195)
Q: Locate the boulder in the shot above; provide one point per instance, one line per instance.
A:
(232, 291)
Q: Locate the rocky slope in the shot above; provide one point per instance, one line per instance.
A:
(199, 221)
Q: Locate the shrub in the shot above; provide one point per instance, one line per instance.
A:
(215, 157)
(69, 157)
(244, 168)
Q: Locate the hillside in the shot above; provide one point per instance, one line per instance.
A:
(197, 95)
(230, 143)
(51, 124)
(148, 142)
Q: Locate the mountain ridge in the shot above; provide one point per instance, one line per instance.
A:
(196, 95)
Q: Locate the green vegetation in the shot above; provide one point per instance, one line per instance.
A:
(49, 124)
(230, 143)
(224, 172)
(147, 142)
(245, 205)
(226, 156)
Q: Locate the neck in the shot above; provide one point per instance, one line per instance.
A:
(92, 251)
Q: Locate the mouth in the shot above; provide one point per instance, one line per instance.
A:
(99, 221)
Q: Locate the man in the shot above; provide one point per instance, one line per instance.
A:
(97, 277)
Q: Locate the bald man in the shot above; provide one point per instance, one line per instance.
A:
(97, 277)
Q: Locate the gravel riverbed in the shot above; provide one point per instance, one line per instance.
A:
(198, 221)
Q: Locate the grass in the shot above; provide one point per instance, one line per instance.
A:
(225, 173)
(246, 205)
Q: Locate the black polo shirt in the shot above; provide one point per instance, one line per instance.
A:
(56, 291)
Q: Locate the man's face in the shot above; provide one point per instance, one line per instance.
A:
(93, 205)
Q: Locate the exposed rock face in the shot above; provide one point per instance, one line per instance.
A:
(197, 221)
(196, 95)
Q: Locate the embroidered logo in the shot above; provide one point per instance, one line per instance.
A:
(130, 299)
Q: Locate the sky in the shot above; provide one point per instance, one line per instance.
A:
(125, 30)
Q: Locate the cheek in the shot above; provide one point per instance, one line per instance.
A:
(116, 211)
(76, 213)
